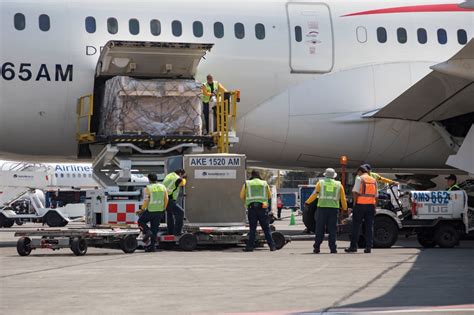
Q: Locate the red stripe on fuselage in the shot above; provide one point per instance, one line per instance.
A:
(451, 7)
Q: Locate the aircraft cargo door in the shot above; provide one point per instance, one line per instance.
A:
(311, 38)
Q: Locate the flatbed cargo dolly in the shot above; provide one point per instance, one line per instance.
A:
(196, 236)
(77, 239)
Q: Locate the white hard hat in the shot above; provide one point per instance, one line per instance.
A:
(330, 173)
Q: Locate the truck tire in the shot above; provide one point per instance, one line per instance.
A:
(53, 219)
(446, 236)
(188, 242)
(385, 232)
(79, 246)
(426, 240)
(23, 246)
(6, 222)
(279, 240)
(128, 244)
(309, 220)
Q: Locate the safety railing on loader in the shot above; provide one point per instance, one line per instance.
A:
(85, 109)
(226, 117)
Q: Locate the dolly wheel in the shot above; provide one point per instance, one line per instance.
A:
(23, 246)
(128, 244)
(79, 246)
(188, 242)
(279, 239)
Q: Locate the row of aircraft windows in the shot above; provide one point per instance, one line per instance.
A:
(422, 35)
(73, 175)
(19, 22)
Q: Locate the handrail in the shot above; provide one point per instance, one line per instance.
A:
(226, 114)
(85, 110)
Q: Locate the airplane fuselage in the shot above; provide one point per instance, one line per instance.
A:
(304, 91)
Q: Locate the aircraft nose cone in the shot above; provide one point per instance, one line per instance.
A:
(263, 131)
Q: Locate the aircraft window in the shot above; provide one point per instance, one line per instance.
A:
(218, 30)
(90, 24)
(44, 23)
(56, 175)
(361, 33)
(73, 175)
(382, 35)
(112, 25)
(239, 30)
(260, 31)
(134, 26)
(62, 175)
(298, 34)
(198, 30)
(19, 21)
(462, 37)
(177, 28)
(442, 36)
(422, 36)
(90, 175)
(402, 35)
(155, 27)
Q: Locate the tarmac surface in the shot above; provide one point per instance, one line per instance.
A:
(403, 279)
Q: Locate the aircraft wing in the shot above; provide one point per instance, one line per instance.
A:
(446, 92)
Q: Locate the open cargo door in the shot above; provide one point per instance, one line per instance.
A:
(150, 59)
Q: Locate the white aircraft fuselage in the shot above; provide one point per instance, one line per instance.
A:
(304, 91)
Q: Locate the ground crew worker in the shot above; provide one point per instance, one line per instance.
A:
(452, 183)
(256, 194)
(365, 198)
(279, 206)
(331, 197)
(174, 212)
(209, 89)
(156, 201)
(380, 179)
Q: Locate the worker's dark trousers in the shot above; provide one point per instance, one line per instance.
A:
(174, 218)
(326, 218)
(279, 213)
(364, 213)
(154, 218)
(205, 111)
(257, 214)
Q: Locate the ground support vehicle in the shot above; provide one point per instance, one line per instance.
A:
(78, 240)
(26, 184)
(436, 217)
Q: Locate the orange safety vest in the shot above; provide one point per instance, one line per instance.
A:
(367, 190)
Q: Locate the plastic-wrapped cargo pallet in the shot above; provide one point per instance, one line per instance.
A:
(157, 107)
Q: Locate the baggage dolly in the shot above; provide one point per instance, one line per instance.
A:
(205, 236)
(78, 240)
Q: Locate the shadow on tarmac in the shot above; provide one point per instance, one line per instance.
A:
(439, 277)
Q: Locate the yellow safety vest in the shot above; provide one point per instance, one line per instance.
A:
(206, 99)
(329, 193)
(157, 197)
(256, 191)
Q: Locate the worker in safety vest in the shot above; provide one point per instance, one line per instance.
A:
(452, 183)
(279, 206)
(256, 194)
(380, 179)
(209, 89)
(174, 212)
(365, 198)
(156, 201)
(331, 197)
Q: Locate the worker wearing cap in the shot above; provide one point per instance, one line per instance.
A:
(174, 212)
(378, 178)
(365, 198)
(256, 194)
(156, 201)
(452, 183)
(209, 89)
(331, 197)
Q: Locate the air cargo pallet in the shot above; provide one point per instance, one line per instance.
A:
(78, 240)
(207, 236)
